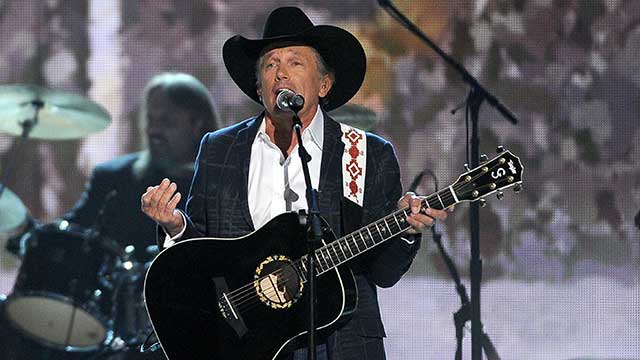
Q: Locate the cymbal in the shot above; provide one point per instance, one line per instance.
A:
(14, 213)
(355, 115)
(61, 116)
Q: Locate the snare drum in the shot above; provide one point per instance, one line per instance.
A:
(62, 297)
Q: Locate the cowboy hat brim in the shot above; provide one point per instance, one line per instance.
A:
(340, 50)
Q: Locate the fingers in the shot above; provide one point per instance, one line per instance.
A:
(421, 216)
(404, 200)
(420, 221)
(146, 199)
(159, 192)
(173, 203)
(167, 195)
(159, 202)
(437, 214)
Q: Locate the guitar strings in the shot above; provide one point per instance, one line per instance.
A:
(241, 299)
(350, 246)
(252, 300)
(249, 300)
(247, 293)
(238, 297)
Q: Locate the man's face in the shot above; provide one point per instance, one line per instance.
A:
(172, 132)
(294, 68)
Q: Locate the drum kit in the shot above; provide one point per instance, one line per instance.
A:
(78, 294)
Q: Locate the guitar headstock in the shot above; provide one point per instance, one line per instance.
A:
(501, 172)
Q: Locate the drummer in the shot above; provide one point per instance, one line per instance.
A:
(177, 111)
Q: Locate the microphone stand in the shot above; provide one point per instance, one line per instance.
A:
(27, 125)
(477, 95)
(463, 314)
(316, 231)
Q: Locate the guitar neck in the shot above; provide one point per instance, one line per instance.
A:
(348, 247)
(503, 171)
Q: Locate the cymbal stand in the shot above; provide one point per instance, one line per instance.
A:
(27, 125)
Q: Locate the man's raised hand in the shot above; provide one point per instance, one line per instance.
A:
(159, 203)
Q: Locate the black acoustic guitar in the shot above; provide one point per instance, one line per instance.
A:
(245, 298)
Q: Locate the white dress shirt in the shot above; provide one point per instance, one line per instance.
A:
(276, 184)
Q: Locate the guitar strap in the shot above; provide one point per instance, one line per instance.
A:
(354, 168)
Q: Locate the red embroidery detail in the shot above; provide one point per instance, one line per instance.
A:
(353, 187)
(353, 168)
(354, 152)
(353, 136)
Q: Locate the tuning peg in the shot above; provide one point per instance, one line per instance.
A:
(517, 188)
(483, 203)
(484, 158)
(466, 167)
(500, 195)
(500, 149)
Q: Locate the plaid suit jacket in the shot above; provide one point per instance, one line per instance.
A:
(217, 206)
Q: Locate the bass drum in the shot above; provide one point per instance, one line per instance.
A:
(62, 297)
(15, 346)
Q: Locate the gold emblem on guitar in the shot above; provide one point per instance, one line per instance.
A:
(277, 283)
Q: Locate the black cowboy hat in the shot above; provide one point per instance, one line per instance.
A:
(341, 51)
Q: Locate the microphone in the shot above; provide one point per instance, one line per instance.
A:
(287, 100)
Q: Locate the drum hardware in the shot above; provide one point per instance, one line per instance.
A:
(114, 299)
(31, 111)
(61, 306)
(14, 213)
(129, 320)
(62, 297)
(73, 286)
(15, 222)
(131, 317)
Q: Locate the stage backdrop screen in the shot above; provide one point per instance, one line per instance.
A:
(561, 270)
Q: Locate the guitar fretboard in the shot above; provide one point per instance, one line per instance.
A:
(359, 241)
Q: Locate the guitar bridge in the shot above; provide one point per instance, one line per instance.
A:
(227, 310)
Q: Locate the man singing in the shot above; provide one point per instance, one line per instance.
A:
(250, 172)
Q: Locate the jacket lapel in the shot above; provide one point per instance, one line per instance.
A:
(330, 185)
(242, 147)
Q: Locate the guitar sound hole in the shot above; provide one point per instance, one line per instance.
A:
(277, 283)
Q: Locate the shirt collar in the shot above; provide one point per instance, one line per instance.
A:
(315, 129)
